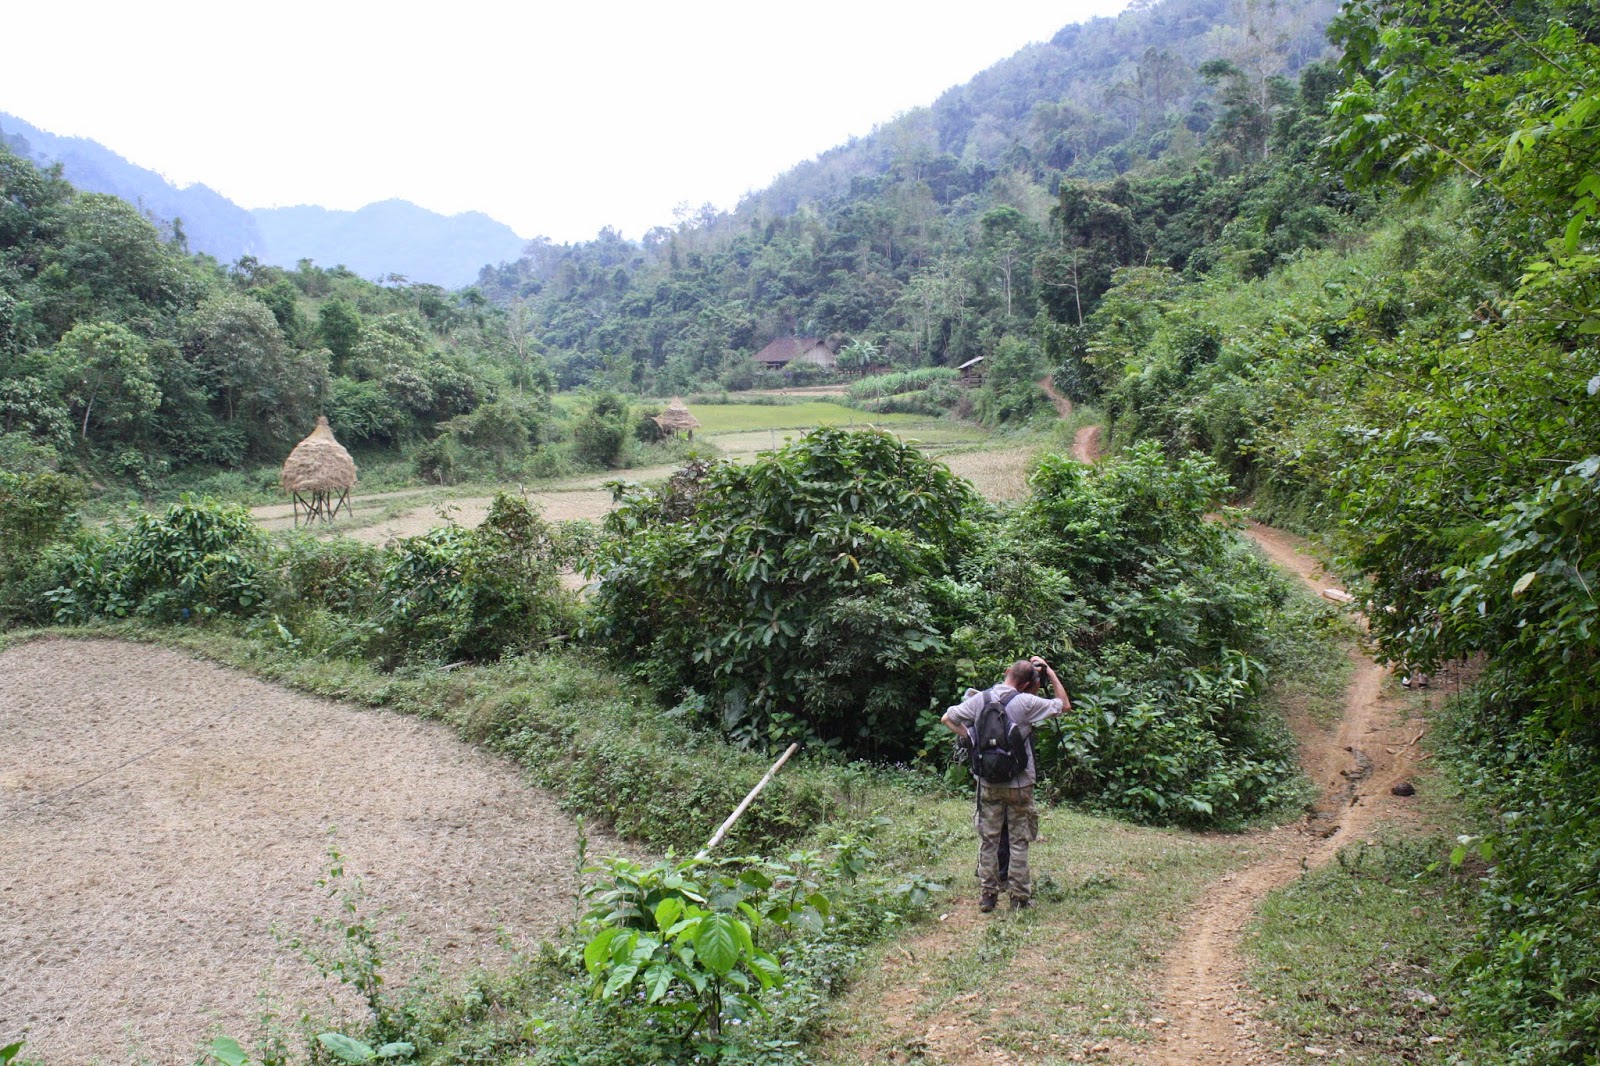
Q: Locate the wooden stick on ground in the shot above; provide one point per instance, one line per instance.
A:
(716, 838)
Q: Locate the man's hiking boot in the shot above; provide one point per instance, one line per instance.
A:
(986, 902)
(1019, 904)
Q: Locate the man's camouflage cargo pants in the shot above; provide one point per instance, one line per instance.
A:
(1010, 811)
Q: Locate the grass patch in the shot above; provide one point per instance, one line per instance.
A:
(741, 417)
(1075, 970)
(1353, 959)
(1310, 661)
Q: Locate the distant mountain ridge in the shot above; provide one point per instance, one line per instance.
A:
(390, 237)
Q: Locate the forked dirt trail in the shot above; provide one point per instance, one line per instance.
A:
(164, 823)
(1204, 1003)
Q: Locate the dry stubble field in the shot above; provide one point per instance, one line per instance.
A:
(165, 822)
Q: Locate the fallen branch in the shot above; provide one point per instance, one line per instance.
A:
(716, 838)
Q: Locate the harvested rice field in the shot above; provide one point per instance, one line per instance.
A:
(166, 822)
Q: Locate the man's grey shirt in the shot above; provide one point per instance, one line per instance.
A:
(1025, 711)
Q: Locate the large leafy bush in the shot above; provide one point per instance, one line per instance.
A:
(455, 593)
(1157, 619)
(794, 596)
(845, 588)
(197, 559)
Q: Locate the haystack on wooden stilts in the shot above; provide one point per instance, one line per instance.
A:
(319, 475)
(677, 419)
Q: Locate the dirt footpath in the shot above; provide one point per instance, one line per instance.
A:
(1206, 999)
(160, 817)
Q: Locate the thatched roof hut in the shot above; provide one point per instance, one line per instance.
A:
(319, 464)
(676, 418)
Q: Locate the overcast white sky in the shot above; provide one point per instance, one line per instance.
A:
(556, 119)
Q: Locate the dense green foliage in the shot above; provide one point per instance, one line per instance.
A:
(1417, 376)
(795, 593)
(126, 358)
(1429, 395)
(447, 595)
(843, 589)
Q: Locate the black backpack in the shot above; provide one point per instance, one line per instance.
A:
(999, 748)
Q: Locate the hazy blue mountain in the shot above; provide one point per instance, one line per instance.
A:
(211, 223)
(392, 237)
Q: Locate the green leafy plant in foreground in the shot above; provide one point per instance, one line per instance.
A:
(686, 948)
(356, 954)
(348, 1049)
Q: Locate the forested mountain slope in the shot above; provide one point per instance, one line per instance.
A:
(938, 236)
(126, 358)
(211, 223)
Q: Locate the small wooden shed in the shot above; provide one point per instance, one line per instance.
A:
(318, 475)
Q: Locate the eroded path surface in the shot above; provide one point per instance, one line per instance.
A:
(160, 817)
(1086, 444)
(1205, 1009)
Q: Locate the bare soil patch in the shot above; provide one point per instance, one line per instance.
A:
(998, 474)
(161, 816)
(1086, 444)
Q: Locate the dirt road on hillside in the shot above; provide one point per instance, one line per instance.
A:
(1205, 1011)
(165, 822)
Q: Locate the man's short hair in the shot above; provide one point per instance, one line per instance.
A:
(1021, 674)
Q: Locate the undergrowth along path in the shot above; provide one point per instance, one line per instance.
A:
(1206, 1009)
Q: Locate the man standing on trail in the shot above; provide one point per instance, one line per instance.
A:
(1006, 806)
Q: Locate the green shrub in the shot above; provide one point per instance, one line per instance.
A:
(197, 559)
(335, 574)
(1534, 973)
(453, 593)
(37, 511)
(792, 594)
(600, 436)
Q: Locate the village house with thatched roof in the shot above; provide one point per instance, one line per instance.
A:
(677, 419)
(797, 351)
(318, 475)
